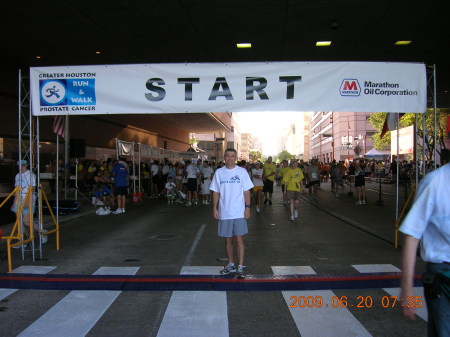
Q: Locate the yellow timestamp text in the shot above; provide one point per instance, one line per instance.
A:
(355, 302)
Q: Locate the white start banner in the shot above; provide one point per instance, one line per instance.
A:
(228, 87)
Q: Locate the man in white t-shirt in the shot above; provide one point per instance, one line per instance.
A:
(207, 175)
(231, 186)
(25, 179)
(191, 175)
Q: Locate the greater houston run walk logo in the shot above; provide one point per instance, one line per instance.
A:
(59, 95)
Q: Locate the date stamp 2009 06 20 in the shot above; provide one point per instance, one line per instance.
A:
(355, 302)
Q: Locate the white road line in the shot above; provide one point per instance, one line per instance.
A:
(5, 292)
(382, 268)
(196, 313)
(79, 311)
(325, 321)
(190, 254)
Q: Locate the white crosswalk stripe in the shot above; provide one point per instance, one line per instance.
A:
(200, 313)
(196, 313)
(25, 270)
(330, 321)
(78, 312)
(384, 268)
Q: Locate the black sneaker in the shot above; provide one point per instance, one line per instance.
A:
(240, 272)
(266, 201)
(229, 268)
(270, 202)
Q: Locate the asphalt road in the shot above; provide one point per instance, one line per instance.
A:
(331, 237)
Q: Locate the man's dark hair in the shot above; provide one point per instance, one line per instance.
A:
(230, 149)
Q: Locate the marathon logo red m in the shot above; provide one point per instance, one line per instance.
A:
(350, 87)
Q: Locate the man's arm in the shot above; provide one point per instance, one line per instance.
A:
(407, 280)
(247, 202)
(216, 197)
(273, 172)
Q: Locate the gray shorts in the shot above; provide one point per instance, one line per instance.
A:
(232, 227)
(293, 195)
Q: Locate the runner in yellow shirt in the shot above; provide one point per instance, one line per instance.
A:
(283, 169)
(293, 181)
(269, 170)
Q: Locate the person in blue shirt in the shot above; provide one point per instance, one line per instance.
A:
(120, 173)
(104, 194)
(428, 224)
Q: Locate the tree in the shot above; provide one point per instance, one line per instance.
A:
(377, 121)
(284, 155)
(441, 130)
(255, 156)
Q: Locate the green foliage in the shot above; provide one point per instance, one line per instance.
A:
(284, 155)
(377, 121)
(255, 156)
(441, 123)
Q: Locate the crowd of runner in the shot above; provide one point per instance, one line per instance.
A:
(188, 182)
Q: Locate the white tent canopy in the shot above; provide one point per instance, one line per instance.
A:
(375, 153)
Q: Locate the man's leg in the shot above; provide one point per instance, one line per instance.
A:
(292, 202)
(229, 249)
(240, 249)
(123, 201)
(270, 192)
(438, 307)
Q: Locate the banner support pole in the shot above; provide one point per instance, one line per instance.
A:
(435, 116)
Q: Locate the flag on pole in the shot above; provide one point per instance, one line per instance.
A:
(59, 126)
(390, 123)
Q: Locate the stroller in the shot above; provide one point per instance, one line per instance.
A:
(175, 196)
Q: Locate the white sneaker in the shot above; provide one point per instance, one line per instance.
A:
(257, 210)
(102, 211)
(118, 211)
(295, 214)
(359, 202)
(207, 202)
(188, 204)
(291, 218)
(363, 202)
(123, 210)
